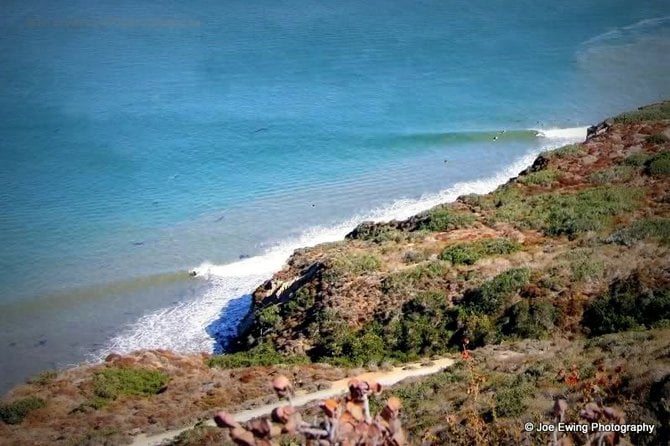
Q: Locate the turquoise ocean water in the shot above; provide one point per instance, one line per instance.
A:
(141, 140)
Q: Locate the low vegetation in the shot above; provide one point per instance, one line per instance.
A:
(628, 304)
(354, 264)
(650, 228)
(541, 177)
(14, 412)
(469, 253)
(653, 112)
(262, 355)
(658, 138)
(443, 219)
(614, 174)
(659, 165)
(113, 382)
(565, 151)
(566, 213)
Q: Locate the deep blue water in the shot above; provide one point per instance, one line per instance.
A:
(141, 139)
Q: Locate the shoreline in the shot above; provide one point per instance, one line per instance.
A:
(231, 282)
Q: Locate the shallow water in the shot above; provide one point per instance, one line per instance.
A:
(140, 141)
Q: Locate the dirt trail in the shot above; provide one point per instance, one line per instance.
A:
(387, 378)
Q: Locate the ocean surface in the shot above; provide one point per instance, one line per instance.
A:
(142, 140)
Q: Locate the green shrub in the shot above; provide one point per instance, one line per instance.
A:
(469, 253)
(636, 159)
(353, 264)
(426, 324)
(337, 343)
(568, 213)
(658, 138)
(113, 382)
(565, 151)
(491, 296)
(614, 174)
(408, 279)
(541, 177)
(302, 301)
(589, 210)
(511, 400)
(525, 319)
(659, 165)
(43, 378)
(474, 200)
(652, 228)
(628, 304)
(445, 220)
(480, 329)
(16, 411)
(423, 326)
(413, 256)
(653, 112)
(583, 266)
(263, 354)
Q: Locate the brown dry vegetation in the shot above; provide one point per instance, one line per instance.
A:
(75, 414)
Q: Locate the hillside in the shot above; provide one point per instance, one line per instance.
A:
(556, 285)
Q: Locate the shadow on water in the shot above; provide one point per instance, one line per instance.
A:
(224, 328)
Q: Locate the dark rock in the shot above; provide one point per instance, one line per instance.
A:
(540, 163)
(599, 129)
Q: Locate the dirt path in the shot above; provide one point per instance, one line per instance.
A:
(337, 388)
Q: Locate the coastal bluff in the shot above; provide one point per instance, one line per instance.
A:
(550, 294)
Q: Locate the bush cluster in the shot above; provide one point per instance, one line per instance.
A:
(653, 112)
(541, 177)
(492, 295)
(565, 151)
(566, 213)
(354, 264)
(651, 228)
(16, 411)
(470, 253)
(627, 305)
(113, 382)
(446, 220)
(658, 138)
(264, 354)
(654, 165)
(659, 165)
(406, 280)
(614, 174)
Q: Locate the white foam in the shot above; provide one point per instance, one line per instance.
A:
(182, 327)
(618, 33)
(572, 133)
